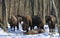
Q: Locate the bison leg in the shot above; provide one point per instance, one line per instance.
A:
(32, 27)
(11, 27)
(26, 30)
(17, 27)
(14, 28)
(38, 27)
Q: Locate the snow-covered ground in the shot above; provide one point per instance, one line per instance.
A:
(19, 34)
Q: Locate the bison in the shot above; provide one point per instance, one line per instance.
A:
(51, 21)
(13, 22)
(24, 21)
(37, 21)
(27, 22)
(35, 31)
(25, 25)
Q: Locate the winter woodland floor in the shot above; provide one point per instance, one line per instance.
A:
(19, 34)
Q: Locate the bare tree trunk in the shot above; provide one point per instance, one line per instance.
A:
(32, 4)
(16, 4)
(49, 7)
(1, 9)
(44, 4)
(42, 9)
(21, 7)
(35, 10)
(56, 11)
(18, 7)
(6, 4)
(12, 6)
(4, 15)
(38, 13)
(9, 6)
(27, 7)
(30, 11)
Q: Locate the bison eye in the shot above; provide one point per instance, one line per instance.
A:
(22, 22)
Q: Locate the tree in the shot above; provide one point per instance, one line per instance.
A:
(32, 5)
(18, 7)
(4, 15)
(56, 11)
(9, 9)
(44, 7)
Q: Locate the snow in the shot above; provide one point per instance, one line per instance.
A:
(19, 34)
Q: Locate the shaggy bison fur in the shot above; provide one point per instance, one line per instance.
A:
(37, 21)
(51, 21)
(13, 22)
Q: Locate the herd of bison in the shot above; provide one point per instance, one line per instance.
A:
(28, 21)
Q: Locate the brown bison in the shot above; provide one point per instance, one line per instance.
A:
(27, 22)
(13, 22)
(25, 25)
(51, 21)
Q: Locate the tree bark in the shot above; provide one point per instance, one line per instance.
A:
(44, 7)
(32, 5)
(56, 11)
(9, 13)
(4, 15)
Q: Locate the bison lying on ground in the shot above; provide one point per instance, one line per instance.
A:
(35, 31)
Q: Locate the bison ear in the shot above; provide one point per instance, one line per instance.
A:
(22, 22)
